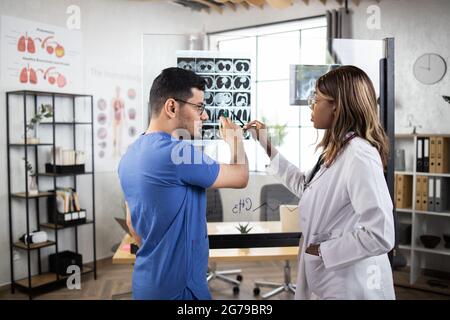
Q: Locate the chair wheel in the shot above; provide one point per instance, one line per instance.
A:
(256, 291)
(239, 277)
(236, 290)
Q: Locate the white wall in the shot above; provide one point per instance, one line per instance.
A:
(112, 32)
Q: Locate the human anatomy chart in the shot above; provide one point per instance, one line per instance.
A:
(117, 114)
(228, 88)
(37, 56)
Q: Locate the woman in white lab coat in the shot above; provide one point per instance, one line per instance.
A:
(345, 208)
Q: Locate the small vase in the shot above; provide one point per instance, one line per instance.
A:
(33, 187)
(31, 137)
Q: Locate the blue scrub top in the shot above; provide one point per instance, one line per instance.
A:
(164, 183)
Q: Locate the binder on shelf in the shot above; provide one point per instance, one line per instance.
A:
(419, 155)
(418, 203)
(426, 155)
(431, 193)
(403, 191)
(424, 199)
(441, 195)
(442, 155)
(432, 154)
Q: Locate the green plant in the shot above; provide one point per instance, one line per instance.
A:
(46, 111)
(244, 228)
(276, 132)
(29, 168)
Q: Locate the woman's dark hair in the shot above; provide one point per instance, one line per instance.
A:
(173, 83)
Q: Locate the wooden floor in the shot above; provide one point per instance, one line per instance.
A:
(116, 279)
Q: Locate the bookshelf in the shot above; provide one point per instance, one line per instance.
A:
(26, 206)
(417, 274)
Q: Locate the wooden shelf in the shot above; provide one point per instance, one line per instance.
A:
(48, 278)
(34, 246)
(38, 280)
(410, 135)
(430, 174)
(408, 173)
(404, 247)
(45, 174)
(404, 210)
(68, 123)
(54, 226)
(46, 93)
(29, 144)
(440, 249)
(432, 213)
(402, 279)
(23, 195)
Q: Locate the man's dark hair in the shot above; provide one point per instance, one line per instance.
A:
(173, 83)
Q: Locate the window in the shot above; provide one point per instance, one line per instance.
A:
(272, 49)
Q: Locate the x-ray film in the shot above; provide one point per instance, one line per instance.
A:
(228, 87)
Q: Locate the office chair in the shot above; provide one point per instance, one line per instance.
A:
(276, 197)
(214, 213)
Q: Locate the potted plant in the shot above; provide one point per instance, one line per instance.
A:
(276, 132)
(32, 136)
(244, 228)
(33, 187)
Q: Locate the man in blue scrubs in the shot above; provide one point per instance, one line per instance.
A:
(164, 177)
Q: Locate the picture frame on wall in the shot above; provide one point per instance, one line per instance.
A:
(302, 81)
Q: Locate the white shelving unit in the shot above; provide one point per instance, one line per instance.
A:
(417, 252)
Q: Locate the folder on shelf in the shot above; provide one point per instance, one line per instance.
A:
(426, 154)
(431, 193)
(441, 194)
(76, 201)
(424, 206)
(403, 191)
(442, 155)
(432, 154)
(418, 203)
(419, 155)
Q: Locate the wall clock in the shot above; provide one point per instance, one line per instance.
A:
(430, 68)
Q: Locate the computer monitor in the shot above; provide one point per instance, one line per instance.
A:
(123, 224)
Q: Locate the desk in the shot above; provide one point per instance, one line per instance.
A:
(123, 256)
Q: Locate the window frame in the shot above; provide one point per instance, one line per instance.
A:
(258, 31)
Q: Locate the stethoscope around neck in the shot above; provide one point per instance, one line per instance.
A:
(319, 164)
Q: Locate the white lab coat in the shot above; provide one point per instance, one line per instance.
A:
(348, 210)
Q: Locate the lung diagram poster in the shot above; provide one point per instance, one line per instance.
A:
(37, 56)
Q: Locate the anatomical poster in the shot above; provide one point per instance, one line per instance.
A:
(117, 113)
(37, 56)
(228, 87)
